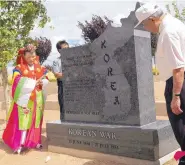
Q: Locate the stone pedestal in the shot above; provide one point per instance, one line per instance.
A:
(150, 142)
(98, 158)
(109, 98)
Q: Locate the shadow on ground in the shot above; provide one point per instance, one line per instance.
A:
(2, 121)
(101, 163)
(6, 149)
(172, 162)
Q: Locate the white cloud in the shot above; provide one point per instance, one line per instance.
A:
(49, 24)
(55, 39)
(72, 41)
(107, 0)
(117, 20)
(65, 15)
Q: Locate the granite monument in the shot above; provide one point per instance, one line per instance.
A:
(109, 98)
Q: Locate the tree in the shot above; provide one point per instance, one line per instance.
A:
(180, 14)
(43, 48)
(93, 29)
(17, 19)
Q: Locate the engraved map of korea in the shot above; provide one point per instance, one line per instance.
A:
(95, 86)
(116, 90)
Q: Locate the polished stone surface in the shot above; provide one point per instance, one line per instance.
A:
(149, 142)
(110, 81)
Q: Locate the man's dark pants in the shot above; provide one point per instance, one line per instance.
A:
(177, 121)
(60, 98)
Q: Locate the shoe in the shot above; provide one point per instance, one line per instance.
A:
(39, 146)
(18, 151)
(182, 161)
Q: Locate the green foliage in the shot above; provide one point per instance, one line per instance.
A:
(177, 13)
(94, 28)
(17, 19)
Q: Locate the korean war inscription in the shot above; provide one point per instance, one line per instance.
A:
(109, 98)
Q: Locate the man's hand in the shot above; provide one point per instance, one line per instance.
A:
(178, 80)
(176, 105)
(58, 75)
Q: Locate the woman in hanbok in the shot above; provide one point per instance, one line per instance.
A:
(25, 116)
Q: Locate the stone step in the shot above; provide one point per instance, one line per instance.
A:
(161, 108)
(53, 105)
(50, 105)
(50, 115)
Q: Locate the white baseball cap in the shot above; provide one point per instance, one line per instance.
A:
(145, 11)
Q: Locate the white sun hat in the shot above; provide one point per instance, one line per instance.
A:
(145, 11)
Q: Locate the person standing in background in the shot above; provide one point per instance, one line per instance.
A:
(56, 68)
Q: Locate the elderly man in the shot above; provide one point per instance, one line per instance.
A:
(170, 57)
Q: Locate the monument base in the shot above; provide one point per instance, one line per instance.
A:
(110, 158)
(150, 142)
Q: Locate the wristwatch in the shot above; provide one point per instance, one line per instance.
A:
(177, 95)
